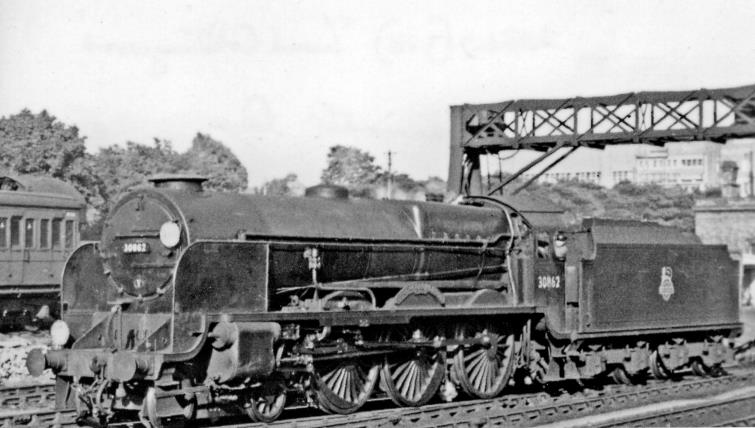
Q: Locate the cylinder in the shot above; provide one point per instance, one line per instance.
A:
(249, 355)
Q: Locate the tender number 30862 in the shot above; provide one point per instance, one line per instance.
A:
(548, 282)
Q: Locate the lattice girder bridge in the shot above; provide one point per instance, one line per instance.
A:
(552, 124)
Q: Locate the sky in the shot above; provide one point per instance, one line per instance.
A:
(280, 82)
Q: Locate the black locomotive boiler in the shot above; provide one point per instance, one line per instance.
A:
(196, 303)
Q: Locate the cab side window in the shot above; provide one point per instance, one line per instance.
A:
(44, 229)
(3, 232)
(56, 223)
(15, 231)
(29, 233)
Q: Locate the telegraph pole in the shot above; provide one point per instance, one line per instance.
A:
(390, 174)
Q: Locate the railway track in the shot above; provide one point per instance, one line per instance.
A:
(725, 410)
(39, 418)
(521, 410)
(21, 396)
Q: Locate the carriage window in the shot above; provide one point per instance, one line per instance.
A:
(3, 232)
(56, 232)
(44, 226)
(15, 231)
(29, 233)
(69, 233)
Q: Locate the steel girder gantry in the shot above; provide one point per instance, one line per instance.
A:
(550, 125)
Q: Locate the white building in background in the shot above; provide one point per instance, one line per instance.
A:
(692, 165)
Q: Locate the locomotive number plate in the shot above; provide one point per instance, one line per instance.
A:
(135, 247)
(547, 281)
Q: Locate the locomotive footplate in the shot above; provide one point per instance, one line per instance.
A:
(376, 317)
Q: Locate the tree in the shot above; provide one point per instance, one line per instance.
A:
(356, 170)
(350, 167)
(212, 159)
(121, 168)
(286, 186)
(41, 144)
(670, 206)
(398, 180)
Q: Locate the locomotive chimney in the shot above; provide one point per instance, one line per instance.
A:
(182, 182)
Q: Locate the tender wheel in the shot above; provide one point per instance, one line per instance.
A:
(344, 386)
(483, 369)
(411, 377)
(267, 402)
(657, 367)
(699, 368)
(620, 376)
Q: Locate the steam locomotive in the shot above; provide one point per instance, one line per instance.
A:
(197, 303)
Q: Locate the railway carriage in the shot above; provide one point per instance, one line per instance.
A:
(39, 228)
(197, 303)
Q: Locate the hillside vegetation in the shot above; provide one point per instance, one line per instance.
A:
(670, 206)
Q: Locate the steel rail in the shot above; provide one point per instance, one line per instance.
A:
(520, 410)
(719, 411)
(47, 418)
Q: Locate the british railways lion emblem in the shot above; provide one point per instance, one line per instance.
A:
(667, 286)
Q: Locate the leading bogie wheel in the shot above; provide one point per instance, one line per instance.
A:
(483, 368)
(266, 403)
(186, 407)
(412, 376)
(344, 386)
(149, 409)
